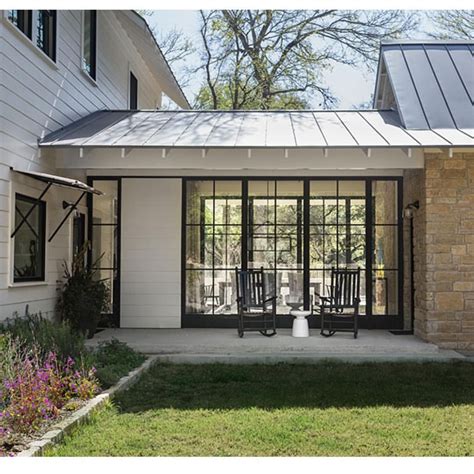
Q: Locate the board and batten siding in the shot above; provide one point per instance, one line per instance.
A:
(38, 96)
(151, 253)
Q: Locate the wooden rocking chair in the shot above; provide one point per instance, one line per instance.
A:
(257, 309)
(340, 309)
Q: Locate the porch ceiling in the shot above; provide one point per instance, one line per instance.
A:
(250, 129)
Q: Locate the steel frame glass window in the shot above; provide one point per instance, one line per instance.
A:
(30, 240)
(89, 42)
(104, 237)
(46, 32)
(22, 19)
(346, 235)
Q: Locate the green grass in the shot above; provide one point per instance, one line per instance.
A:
(330, 409)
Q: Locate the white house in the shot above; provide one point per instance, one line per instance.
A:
(190, 195)
(57, 67)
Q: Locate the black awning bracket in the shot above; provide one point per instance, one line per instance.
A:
(59, 181)
(72, 208)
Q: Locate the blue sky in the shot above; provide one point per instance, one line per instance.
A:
(351, 86)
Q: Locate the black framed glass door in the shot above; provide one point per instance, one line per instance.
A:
(297, 230)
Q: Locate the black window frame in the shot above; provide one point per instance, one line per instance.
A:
(23, 21)
(41, 205)
(46, 26)
(133, 91)
(369, 319)
(90, 69)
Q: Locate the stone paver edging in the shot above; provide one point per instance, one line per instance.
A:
(57, 431)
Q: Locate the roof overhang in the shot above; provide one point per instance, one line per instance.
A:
(142, 37)
(250, 129)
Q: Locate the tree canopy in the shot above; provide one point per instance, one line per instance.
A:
(264, 59)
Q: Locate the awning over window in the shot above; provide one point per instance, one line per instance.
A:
(51, 180)
(60, 181)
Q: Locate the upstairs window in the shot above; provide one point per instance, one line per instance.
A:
(46, 32)
(22, 19)
(133, 92)
(89, 42)
(29, 261)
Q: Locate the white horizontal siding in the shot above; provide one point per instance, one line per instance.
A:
(38, 97)
(151, 255)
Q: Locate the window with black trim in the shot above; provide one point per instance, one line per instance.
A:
(46, 32)
(29, 246)
(22, 19)
(89, 42)
(133, 92)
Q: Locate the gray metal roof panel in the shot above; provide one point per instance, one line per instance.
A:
(225, 130)
(334, 131)
(280, 131)
(171, 131)
(428, 89)
(253, 130)
(149, 127)
(361, 130)
(433, 83)
(220, 129)
(462, 57)
(403, 88)
(306, 130)
(387, 123)
(454, 93)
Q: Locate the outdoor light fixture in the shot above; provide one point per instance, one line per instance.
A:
(410, 209)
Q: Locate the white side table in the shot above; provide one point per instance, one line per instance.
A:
(300, 323)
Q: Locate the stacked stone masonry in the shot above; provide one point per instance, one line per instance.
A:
(444, 250)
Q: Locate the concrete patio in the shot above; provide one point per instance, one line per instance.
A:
(223, 345)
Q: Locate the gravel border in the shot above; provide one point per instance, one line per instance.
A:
(57, 431)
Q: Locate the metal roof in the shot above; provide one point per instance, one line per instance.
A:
(432, 83)
(250, 129)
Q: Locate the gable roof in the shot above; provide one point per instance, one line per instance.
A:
(249, 129)
(430, 83)
(144, 40)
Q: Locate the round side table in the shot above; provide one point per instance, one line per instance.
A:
(300, 323)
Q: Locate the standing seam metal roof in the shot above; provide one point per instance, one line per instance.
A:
(433, 83)
(250, 129)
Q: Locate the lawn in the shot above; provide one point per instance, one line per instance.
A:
(330, 409)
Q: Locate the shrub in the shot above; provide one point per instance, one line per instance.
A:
(114, 359)
(83, 296)
(38, 389)
(46, 336)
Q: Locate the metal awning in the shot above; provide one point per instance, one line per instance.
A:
(251, 129)
(59, 181)
(51, 180)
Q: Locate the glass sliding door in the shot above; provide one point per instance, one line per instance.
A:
(275, 237)
(385, 258)
(213, 245)
(337, 231)
(297, 230)
(104, 236)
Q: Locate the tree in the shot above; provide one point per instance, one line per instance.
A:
(267, 59)
(453, 24)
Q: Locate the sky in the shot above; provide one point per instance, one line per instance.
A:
(351, 86)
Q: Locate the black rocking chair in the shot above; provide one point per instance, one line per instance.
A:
(340, 309)
(257, 309)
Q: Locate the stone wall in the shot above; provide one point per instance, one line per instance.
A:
(444, 250)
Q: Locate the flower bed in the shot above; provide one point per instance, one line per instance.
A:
(40, 382)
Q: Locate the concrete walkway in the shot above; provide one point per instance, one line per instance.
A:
(223, 345)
